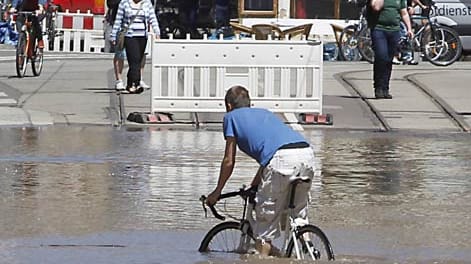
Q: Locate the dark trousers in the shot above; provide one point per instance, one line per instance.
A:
(135, 48)
(222, 13)
(384, 46)
(35, 23)
(189, 11)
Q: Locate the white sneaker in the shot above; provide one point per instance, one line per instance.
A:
(396, 61)
(144, 85)
(119, 85)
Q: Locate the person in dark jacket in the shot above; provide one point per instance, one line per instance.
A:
(30, 6)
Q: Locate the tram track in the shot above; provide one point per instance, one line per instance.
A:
(441, 106)
(447, 110)
(351, 87)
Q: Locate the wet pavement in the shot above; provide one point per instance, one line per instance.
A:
(73, 194)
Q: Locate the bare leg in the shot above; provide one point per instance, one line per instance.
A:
(118, 65)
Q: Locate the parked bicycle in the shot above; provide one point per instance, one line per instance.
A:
(51, 32)
(355, 40)
(434, 38)
(299, 241)
(27, 48)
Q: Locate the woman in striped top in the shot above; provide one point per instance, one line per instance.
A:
(135, 15)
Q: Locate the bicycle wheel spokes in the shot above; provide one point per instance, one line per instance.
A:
(312, 244)
(21, 55)
(37, 62)
(365, 45)
(226, 241)
(349, 43)
(226, 237)
(442, 48)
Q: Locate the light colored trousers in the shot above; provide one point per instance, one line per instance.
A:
(272, 195)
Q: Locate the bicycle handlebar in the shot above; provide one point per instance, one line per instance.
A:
(244, 193)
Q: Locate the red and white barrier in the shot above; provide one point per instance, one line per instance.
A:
(79, 20)
(78, 32)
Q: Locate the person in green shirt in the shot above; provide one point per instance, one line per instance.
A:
(384, 18)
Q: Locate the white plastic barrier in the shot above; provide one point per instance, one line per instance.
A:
(78, 40)
(77, 32)
(193, 75)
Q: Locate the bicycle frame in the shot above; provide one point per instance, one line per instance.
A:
(246, 221)
(27, 49)
(27, 28)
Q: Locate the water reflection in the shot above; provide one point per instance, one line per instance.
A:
(71, 181)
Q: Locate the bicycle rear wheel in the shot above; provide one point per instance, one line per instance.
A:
(227, 237)
(365, 46)
(21, 55)
(313, 244)
(442, 48)
(37, 61)
(348, 44)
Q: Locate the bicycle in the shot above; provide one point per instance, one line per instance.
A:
(51, 32)
(27, 48)
(300, 241)
(355, 41)
(439, 44)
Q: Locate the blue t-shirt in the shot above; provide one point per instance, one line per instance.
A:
(259, 133)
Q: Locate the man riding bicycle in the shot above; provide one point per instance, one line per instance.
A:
(282, 154)
(30, 6)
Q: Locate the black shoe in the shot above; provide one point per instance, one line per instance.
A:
(387, 95)
(379, 94)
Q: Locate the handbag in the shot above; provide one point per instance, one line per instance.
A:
(120, 38)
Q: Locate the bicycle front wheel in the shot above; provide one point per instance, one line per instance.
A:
(37, 61)
(312, 244)
(348, 44)
(21, 55)
(443, 47)
(227, 237)
(365, 45)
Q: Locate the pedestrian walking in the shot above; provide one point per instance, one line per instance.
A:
(384, 18)
(132, 19)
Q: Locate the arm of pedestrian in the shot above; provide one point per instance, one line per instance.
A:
(405, 17)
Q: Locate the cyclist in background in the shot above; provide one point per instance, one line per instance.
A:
(30, 6)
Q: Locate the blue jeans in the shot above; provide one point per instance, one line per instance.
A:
(406, 54)
(384, 46)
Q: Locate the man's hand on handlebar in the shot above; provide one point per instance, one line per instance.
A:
(213, 198)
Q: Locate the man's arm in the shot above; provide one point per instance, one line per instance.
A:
(227, 166)
(258, 177)
(405, 17)
(377, 5)
(419, 3)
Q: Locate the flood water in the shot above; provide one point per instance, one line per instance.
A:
(110, 195)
